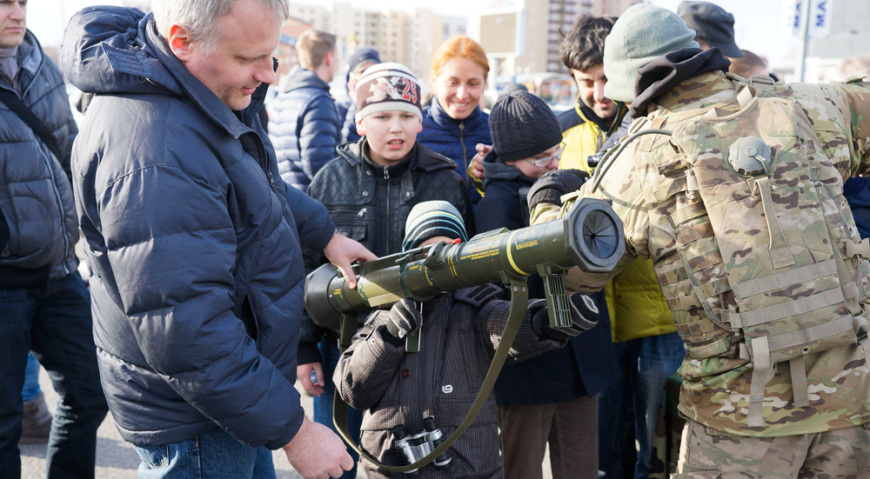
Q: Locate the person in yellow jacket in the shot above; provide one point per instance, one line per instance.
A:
(647, 348)
(594, 117)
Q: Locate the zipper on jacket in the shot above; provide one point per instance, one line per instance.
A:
(47, 160)
(387, 214)
(462, 142)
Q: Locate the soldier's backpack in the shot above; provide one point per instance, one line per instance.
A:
(768, 250)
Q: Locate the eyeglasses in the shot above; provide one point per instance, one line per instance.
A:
(542, 162)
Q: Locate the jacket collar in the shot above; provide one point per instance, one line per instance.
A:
(672, 80)
(421, 156)
(446, 121)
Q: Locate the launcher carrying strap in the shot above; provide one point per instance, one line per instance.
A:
(518, 306)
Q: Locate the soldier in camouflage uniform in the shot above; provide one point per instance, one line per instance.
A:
(810, 421)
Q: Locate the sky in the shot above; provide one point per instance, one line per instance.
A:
(757, 22)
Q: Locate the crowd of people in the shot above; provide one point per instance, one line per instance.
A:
(740, 196)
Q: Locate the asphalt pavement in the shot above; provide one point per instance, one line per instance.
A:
(116, 458)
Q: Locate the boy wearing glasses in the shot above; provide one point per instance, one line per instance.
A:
(550, 398)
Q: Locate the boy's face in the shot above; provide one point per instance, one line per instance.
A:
(391, 135)
(536, 166)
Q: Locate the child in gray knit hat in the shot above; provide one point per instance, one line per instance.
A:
(458, 333)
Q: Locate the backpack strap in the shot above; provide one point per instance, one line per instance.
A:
(39, 128)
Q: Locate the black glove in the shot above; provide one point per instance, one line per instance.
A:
(403, 320)
(584, 316)
(553, 184)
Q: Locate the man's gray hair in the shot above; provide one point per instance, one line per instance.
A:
(201, 16)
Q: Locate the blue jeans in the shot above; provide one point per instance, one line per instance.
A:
(323, 404)
(31, 388)
(214, 454)
(645, 364)
(53, 320)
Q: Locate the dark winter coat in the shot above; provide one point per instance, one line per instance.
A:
(585, 366)
(455, 139)
(370, 203)
(197, 291)
(459, 336)
(304, 127)
(37, 213)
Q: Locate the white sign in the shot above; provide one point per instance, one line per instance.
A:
(820, 18)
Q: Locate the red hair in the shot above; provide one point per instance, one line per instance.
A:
(459, 46)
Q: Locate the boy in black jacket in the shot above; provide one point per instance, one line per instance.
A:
(369, 190)
(458, 333)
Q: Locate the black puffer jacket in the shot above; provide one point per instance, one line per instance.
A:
(370, 204)
(37, 214)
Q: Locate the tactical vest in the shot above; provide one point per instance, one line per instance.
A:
(770, 266)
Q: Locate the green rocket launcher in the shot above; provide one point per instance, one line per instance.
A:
(590, 237)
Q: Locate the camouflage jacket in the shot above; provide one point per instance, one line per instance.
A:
(716, 380)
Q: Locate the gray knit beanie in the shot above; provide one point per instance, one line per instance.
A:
(640, 35)
(522, 125)
(430, 219)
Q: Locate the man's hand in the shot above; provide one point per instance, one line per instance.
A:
(303, 375)
(316, 452)
(342, 251)
(476, 168)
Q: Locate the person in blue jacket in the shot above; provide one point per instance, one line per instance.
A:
(552, 399)
(454, 124)
(196, 252)
(303, 120)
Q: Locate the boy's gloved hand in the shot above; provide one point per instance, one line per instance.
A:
(553, 184)
(403, 320)
(584, 315)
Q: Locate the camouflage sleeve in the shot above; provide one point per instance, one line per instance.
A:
(622, 185)
(857, 96)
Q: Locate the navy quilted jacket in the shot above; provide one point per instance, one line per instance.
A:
(37, 214)
(197, 292)
(455, 139)
(304, 127)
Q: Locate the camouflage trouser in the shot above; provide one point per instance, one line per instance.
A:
(710, 454)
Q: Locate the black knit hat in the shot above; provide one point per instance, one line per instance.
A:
(712, 24)
(430, 219)
(522, 126)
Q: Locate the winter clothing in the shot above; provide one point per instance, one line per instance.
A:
(348, 128)
(455, 139)
(430, 219)
(37, 214)
(387, 87)
(584, 134)
(459, 334)
(712, 24)
(588, 355)
(716, 381)
(304, 126)
(370, 203)
(197, 291)
(625, 53)
(360, 56)
(522, 125)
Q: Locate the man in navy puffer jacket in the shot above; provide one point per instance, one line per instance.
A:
(303, 121)
(44, 303)
(197, 287)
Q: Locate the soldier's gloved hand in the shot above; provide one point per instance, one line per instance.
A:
(553, 184)
(584, 315)
(403, 321)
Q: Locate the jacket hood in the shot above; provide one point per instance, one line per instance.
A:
(495, 170)
(302, 78)
(114, 50)
(118, 50)
(421, 156)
